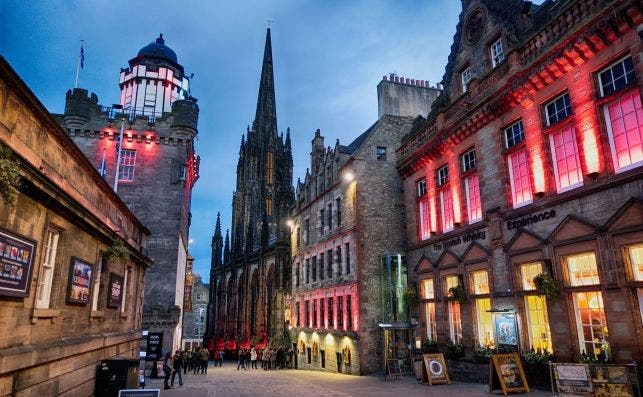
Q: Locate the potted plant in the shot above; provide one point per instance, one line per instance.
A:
(117, 253)
(457, 294)
(482, 354)
(546, 285)
(454, 350)
(9, 176)
(411, 297)
(536, 364)
(429, 346)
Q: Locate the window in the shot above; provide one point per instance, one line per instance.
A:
(297, 237)
(338, 205)
(269, 206)
(128, 160)
(480, 282)
(424, 219)
(497, 53)
(566, 160)
(520, 178)
(307, 231)
(558, 109)
(469, 160)
(270, 167)
(527, 273)
(322, 273)
(427, 289)
(297, 309)
(455, 322)
(381, 153)
(322, 219)
(483, 322)
(307, 307)
(472, 192)
(428, 293)
(96, 287)
(339, 260)
(591, 324)
(446, 208)
(349, 313)
(450, 282)
(314, 313)
(514, 135)
(617, 76)
(322, 317)
(331, 319)
(347, 248)
(329, 263)
(313, 270)
(538, 323)
(307, 270)
(47, 270)
(443, 175)
(624, 119)
(329, 213)
(421, 187)
(634, 256)
(296, 274)
(340, 312)
(465, 77)
(582, 269)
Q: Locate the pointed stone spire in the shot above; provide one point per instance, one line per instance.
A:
(266, 116)
(217, 244)
(288, 143)
(226, 248)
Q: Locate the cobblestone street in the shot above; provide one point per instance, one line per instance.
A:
(227, 381)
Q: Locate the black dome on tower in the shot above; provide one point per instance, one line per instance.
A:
(158, 49)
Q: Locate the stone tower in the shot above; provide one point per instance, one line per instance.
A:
(158, 169)
(249, 286)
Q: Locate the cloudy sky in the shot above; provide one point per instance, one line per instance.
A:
(329, 57)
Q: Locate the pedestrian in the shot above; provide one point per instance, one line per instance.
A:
(242, 360)
(187, 356)
(273, 359)
(221, 353)
(177, 364)
(253, 357)
(167, 370)
(205, 356)
(196, 360)
(265, 356)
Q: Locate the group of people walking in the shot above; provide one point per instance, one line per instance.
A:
(278, 358)
(183, 362)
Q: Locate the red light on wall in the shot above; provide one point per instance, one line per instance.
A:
(590, 152)
(539, 173)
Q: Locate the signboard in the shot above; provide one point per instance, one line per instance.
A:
(80, 281)
(506, 330)
(154, 346)
(139, 393)
(393, 368)
(16, 262)
(572, 379)
(505, 370)
(115, 290)
(436, 369)
(611, 381)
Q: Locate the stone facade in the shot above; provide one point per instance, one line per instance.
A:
(50, 344)
(162, 169)
(347, 227)
(250, 275)
(521, 170)
(194, 320)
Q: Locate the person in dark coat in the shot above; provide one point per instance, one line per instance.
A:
(177, 364)
(167, 370)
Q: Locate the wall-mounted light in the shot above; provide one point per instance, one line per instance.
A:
(349, 176)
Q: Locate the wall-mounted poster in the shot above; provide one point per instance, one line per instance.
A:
(506, 331)
(16, 263)
(80, 281)
(346, 353)
(114, 290)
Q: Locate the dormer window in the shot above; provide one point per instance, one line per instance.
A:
(465, 75)
(497, 53)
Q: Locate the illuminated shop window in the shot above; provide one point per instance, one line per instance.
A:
(431, 322)
(465, 77)
(582, 269)
(424, 219)
(538, 323)
(446, 209)
(480, 282)
(453, 311)
(520, 178)
(617, 76)
(624, 119)
(128, 161)
(566, 160)
(634, 256)
(427, 289)
(484, 323)
(558, 109)
(497, 53)
(591, 324)
(527, 273)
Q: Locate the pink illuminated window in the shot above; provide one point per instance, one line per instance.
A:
(472, 190)
(128, 161)
(624, 119)
(520, 178)
(425, 219)
(446, 207)
(564, 151)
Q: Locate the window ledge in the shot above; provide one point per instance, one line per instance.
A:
(44, 313)
(97, 314)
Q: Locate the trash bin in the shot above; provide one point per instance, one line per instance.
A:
(114, 375)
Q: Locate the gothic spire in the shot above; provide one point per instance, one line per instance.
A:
(266, 117)
(226, 248)
(217, 244)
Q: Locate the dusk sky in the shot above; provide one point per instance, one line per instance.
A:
(329, 57)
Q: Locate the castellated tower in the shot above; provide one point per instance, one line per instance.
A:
(158, 169)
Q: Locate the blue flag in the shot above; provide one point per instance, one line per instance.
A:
(82, 56)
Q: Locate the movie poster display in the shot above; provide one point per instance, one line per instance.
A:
(16, 263)
(115, 290)
(80, 281)
(506, 329)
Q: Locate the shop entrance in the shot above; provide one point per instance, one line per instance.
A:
(296, 353)
(397, 343)
(339, 358)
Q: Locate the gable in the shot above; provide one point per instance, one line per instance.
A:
(524, 240)
(571, 228)
(628, 216)
(424, 265)
(447, 258)
(475, 252)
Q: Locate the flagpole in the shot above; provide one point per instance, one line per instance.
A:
(78, 66)
(118, 158)
(103, 167)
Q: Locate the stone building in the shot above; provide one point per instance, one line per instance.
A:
(194, 319)
(64, 304)
(528, 170)
(347, 239)
(250, 276)
(158, 167)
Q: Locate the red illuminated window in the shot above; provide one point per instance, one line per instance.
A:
(566, 160)
(624, 119)
(425, 219)
(446, 207)
(520, 178)
(472, 190)
(443, 175)
(128, 161)
(421, 187)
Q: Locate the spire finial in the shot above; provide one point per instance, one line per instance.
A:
(269, 23)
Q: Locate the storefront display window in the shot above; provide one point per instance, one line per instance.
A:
(635, 258)
(428, 293)
(591, 324)
(582, 269)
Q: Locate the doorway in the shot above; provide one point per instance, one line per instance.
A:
(339, 362)
(296, 353)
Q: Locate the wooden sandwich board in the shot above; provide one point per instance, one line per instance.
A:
(436, 369)
(506, 373)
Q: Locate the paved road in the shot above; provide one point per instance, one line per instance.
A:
(228, 382)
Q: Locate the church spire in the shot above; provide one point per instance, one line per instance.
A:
(217, 244)
(266, 117)
(226, 248)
